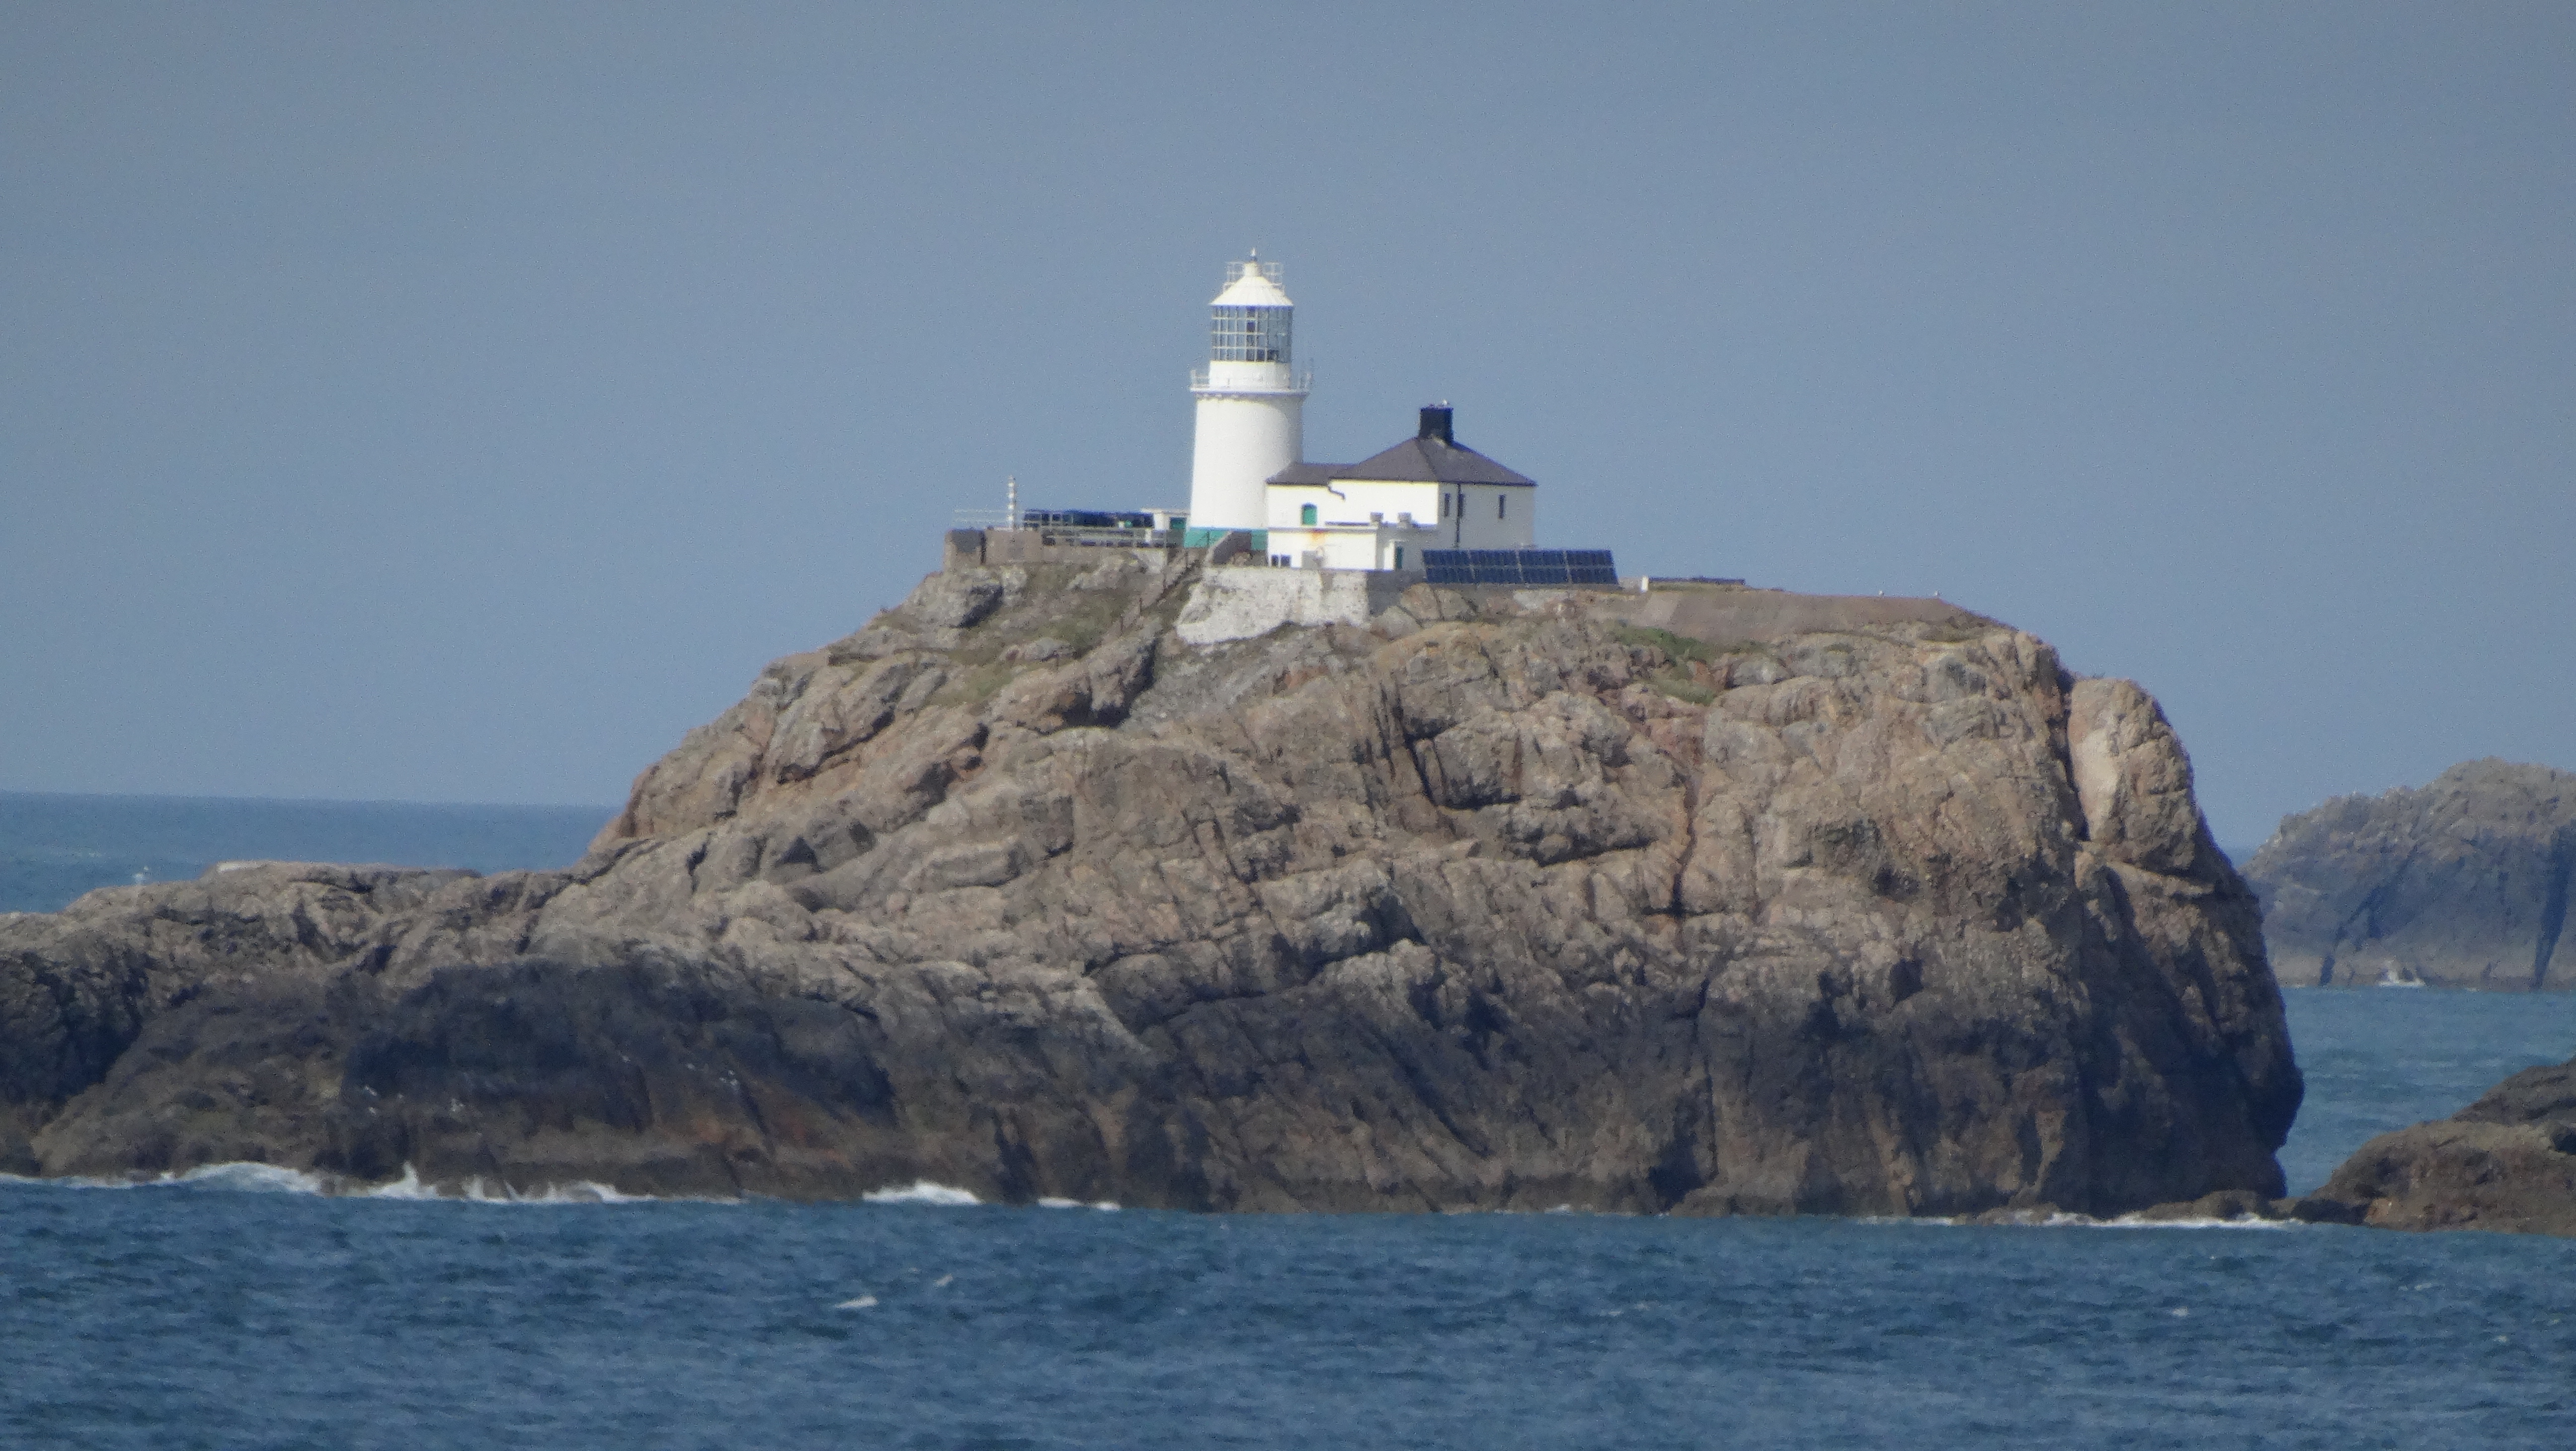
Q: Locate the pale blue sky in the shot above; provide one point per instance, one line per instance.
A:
(459, 402)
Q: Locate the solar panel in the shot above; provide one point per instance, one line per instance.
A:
(1540, 568)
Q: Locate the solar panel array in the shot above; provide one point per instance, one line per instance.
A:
(1525, 567)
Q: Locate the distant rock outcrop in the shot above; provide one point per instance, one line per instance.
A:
(2506, 1162)
(2463, 883)
(1712, 900)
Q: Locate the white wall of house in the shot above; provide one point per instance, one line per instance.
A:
(1384, 546)
(1461, 516)
(1351, 501)
(1490, 516)
(1444, 516)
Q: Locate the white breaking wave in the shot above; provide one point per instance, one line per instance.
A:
(922, 1191)
(245, 1178)
(406, 1187)
(249, 1178)
(2131, 1221)
(252, 1179)
(591, 1191)
(2063, 1220)
(479, 1190)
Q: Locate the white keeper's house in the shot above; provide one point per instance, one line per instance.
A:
(1428, 492)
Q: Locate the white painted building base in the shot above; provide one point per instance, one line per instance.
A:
(1352, 546)
(1244, 604)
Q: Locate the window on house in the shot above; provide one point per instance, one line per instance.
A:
(1444, 503)
(1306, 514)
(1399, 556)
(1501, 501)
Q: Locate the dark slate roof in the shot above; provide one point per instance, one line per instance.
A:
(1416, 460)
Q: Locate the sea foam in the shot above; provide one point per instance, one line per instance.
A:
(251, 1178)
(243, 1177)
(480, 1190)
(922, 1191)
(2063, 1220)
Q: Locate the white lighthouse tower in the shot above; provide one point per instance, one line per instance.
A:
(1251, 403)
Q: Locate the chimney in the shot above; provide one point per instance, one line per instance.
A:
(1435, 424)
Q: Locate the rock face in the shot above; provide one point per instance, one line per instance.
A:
(2506, 1162)
(2463, 883)
(1715, 900)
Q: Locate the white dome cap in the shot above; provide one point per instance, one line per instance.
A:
(1255, 287)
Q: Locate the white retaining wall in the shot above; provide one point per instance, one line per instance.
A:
(1241, 603)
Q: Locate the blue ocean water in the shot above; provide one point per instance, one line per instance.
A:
(2378, 1059)
(241, 1309)
(201, 1317)
(55, 847)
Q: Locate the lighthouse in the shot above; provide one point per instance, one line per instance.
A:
(1251, 405)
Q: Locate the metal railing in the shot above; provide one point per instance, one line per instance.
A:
(1297, 383)
(1000, 519)
(1116, 538)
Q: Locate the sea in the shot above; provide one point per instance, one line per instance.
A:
(241, 1306)
(54, 847)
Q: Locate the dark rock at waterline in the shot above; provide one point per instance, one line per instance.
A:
(2506, 1162)
(2219, 1206)
(2463, 883)
(1065, 882)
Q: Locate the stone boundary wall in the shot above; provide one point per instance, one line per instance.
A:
(979, 548)
(974, 548)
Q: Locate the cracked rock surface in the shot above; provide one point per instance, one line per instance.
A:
(1777, 904)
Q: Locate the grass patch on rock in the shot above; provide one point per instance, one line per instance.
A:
(1675, 647)
(1087, 617)
(1049, 606)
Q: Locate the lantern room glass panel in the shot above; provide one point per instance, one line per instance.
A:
(1249, 334)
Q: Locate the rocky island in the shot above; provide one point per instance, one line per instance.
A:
(2462, 883)
(1148, 879)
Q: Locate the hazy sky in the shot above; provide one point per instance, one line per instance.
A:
(451, 402)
